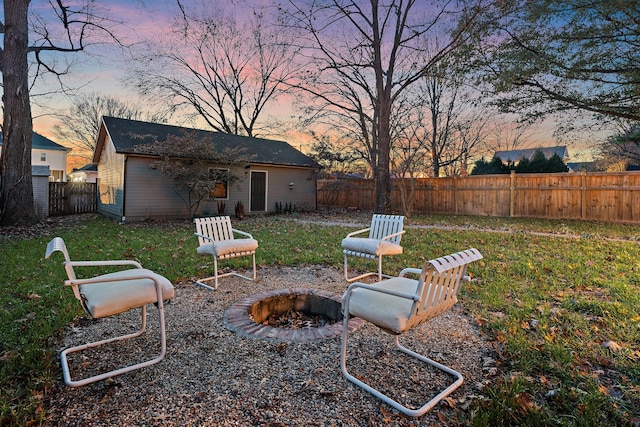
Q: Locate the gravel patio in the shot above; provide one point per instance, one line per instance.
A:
(214, 376)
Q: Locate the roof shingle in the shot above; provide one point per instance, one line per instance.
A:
(126, 134)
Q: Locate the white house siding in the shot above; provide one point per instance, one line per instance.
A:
(111, 182)
(55, 159)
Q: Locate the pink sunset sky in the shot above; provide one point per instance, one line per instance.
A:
(102, 70)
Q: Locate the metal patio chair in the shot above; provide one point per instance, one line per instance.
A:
(216, 238)
(110, 294)
(399, 304)
(383, 239)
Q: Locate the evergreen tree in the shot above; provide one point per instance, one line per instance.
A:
(555, 164)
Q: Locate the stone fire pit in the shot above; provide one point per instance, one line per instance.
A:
(253, 315)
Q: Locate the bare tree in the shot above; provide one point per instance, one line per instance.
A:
(437, 130)
(445, 121)
(219, 69)
(506, 136)
(79, 126)
(77, 24)
(364, 57)
(407, 162)
(332, 155)
(621, 149)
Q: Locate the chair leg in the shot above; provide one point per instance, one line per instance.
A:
(217, 276)
(254, 266)
(353, 279)
(408, 411)
(163, 348)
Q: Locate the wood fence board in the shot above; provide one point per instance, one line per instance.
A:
(71, 197)
(601, 196)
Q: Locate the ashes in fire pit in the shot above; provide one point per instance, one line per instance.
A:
(294, 319)
(289, 315)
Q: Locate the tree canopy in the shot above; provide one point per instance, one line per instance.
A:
(548, 56)
(80, 124)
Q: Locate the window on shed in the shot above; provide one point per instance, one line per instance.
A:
(221, 178)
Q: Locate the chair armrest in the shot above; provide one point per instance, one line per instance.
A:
(413, 297)
(364, 230)
(98, 279)
(242, 233)
(410, 270)
(104, 263)
(393, 235)
(205, 237)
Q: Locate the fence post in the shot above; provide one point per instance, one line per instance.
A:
(583, 194)
(512, 190)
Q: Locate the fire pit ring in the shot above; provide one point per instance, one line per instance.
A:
(246, 316)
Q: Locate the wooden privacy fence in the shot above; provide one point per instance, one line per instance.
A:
(600, 196)
(72, 197)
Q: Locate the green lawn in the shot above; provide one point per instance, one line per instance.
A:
(558, 301)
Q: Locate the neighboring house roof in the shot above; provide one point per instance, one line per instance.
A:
(125, 135)
(582, 166)
(40, 170)
(516, 155)
(40, 142)
(87, 168)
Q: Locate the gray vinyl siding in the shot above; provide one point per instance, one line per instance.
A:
(41, 195)
(238, 191)
(111, 182)
(302, 194)
(149, 194)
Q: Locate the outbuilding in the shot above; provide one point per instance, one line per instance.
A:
(277, 174)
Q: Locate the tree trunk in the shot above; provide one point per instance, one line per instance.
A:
(16, 190)
(383, 181)
(382, 106)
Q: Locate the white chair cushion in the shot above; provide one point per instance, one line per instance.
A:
(225, 247)
(371, 246)
(383, 310)
(117, 296)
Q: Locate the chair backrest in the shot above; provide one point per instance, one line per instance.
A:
(218, 228)
(57, 244)
(384, 225)
(440, 281)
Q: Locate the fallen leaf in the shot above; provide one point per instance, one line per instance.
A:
(526, 402)
(612, 345)
(451, 402)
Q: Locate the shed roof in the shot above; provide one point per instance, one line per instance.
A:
(125, 135)
(40, 170)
